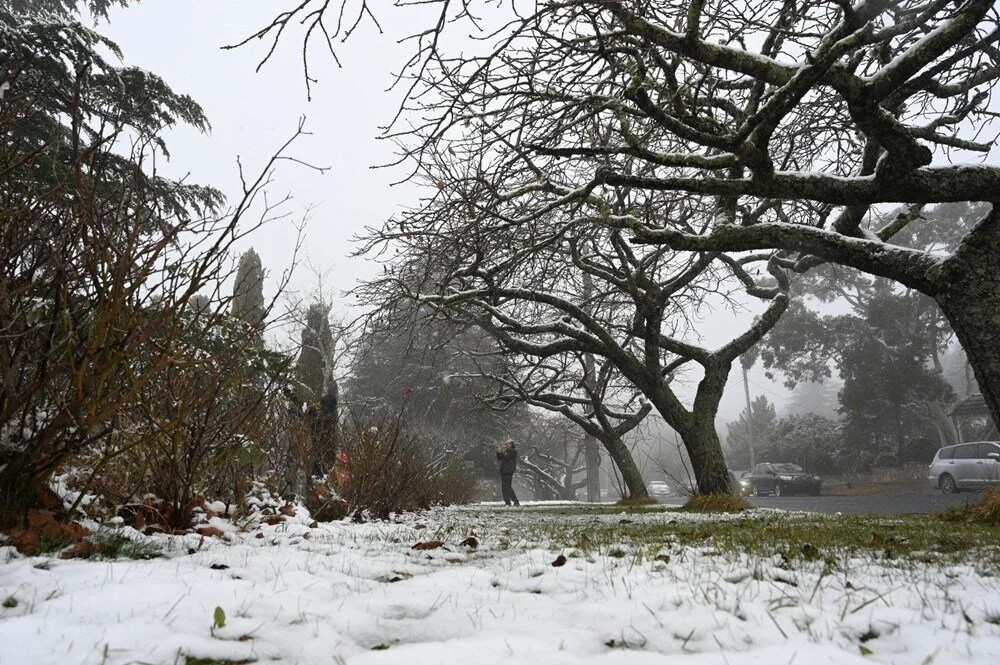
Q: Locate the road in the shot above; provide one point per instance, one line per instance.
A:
(891, 504)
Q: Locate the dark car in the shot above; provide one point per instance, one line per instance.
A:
(782, 480)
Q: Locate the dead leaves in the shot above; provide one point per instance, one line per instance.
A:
(428, 545)
(43, 528)
(82, 550)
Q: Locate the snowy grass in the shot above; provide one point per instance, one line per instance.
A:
(547, 584)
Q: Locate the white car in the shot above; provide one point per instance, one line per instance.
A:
(659, 488)
(966, 466)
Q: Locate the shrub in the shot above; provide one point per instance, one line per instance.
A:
(984, 511)
(192, 430)
(388, 471)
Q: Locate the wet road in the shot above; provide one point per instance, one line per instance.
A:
(891, 504)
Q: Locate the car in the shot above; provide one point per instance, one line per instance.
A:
(782, 479)
(743, 485)
(659, 488)
(966, 466)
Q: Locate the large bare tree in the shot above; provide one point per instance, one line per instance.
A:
(792, 118)
(589, 393)
(823, 108)
(548, 285)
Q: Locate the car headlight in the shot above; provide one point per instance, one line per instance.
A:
(785, 478)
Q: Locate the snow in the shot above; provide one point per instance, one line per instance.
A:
(359, 594)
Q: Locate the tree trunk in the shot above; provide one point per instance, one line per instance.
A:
(705, 450)
(19, 491)
(697, 429)
(621, 456)
(593, 460)
(947, 432)
(969, 295)
(977, 326)
(900, 439)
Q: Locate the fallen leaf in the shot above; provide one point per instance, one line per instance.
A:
(428, 545)
(471, 542)
(560, 561)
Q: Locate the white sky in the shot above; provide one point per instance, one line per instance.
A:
(254, 113)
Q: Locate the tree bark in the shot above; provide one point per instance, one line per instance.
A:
(593, 460)
(622, 458)
(705, 450)
(898, 434)
(969, 295)
(947, 432)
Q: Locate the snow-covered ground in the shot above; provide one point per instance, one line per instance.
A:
(359, 594)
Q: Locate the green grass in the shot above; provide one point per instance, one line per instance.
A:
(791, 536)
(602, 509)
(117, 546)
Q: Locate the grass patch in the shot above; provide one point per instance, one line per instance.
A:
(603, 509)
(792, 537)
(116, 546)
(985, 511)
(637, 501)
(213, 661)
(716, 503)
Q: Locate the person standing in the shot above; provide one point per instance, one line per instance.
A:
(507, 456)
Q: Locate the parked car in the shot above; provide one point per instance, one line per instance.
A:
(782, 480)
(966, 466)
(659, 488)
(743, 485)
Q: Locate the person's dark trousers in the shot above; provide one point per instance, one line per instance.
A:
(508, 490)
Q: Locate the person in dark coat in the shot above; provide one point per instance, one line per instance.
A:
(507, 456)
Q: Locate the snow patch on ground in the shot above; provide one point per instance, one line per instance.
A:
(347, 593)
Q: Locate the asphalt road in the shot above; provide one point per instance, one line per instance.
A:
(890, 504)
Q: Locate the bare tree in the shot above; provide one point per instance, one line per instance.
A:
(594, 398)
(828, 108)
(804, 115)
(523, 282)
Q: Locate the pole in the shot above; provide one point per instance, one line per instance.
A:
(746, 391)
